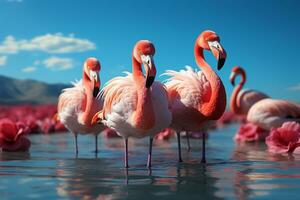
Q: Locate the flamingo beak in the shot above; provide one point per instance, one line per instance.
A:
(150, 71)
(96, 83)
(231, 78)
(218, 52)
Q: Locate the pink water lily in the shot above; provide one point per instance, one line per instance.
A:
(165, 134)
(12, 136)
(284, 139)
(250, 132)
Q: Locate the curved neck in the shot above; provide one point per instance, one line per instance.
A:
(143, 117)
(215, 107)
(235, 106)
(90, 100)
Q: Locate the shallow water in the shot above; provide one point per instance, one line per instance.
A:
(233, 171)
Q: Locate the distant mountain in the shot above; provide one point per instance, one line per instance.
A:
(14, 91)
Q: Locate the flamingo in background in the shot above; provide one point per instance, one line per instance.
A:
(77, 105)
(241, 101)
(136, 105)
(197, 97)
(271, 113)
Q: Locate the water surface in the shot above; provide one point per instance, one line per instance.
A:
(234, 170)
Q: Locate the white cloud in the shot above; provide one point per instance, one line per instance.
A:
(29, 69)
(50, 43)
(58, 64)
(295, 87)
(3, 60)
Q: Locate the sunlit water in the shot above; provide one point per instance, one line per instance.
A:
(233, 171)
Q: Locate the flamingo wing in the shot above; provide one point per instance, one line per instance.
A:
(189, 87)
(269, 113)
(248, 98)
(117, 89)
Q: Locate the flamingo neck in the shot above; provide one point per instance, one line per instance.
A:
(215, 107)
(90, 101)
(144, 117)
(235, 105)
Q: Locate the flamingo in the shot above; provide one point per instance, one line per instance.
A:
(78, 104)
(241, 102)
(197, 98)
(136, 105)
(272, 113)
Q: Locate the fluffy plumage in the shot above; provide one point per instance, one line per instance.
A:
(187, 89)
(271, 113)
(72, 102)
(120, 100)
(247, 98)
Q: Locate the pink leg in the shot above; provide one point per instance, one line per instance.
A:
(150, 153)
(126, 152)
(179, 147)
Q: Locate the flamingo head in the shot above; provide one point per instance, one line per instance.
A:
(91, 70)
(210, 41)
(143, 52)
(237, 71)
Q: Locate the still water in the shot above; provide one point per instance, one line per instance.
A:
(233, 171)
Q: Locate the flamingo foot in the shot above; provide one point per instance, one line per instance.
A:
(150, 153)
(203, 160)
(179, 147)
(126, 153)
(188, 141)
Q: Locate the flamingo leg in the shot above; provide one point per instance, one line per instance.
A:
(179, 146)
(76, 144)
(126, 152)
(203, 160)
(188, 141)
(150, 153)
(96, 143)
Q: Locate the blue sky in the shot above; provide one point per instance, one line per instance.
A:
(49, 40)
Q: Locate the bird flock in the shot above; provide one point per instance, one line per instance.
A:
(189, 101)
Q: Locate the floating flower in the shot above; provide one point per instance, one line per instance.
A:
(284, 139)
(12, 136)
(110, 133)
(165, 134)
(250, 132)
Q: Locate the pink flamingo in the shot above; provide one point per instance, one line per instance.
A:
(197, 97)
(136, 105)
(271, 113)
(77, 105)
(241, 102)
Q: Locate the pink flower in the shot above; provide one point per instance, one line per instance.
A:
(110, 133)
(165, 134)
(284, 139)
(12, 136)
(250, 132)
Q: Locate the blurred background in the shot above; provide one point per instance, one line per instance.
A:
(48, 41)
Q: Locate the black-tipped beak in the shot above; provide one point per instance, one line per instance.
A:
(221, 62)
(95, 92)
(232, 82)
(149, 81)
